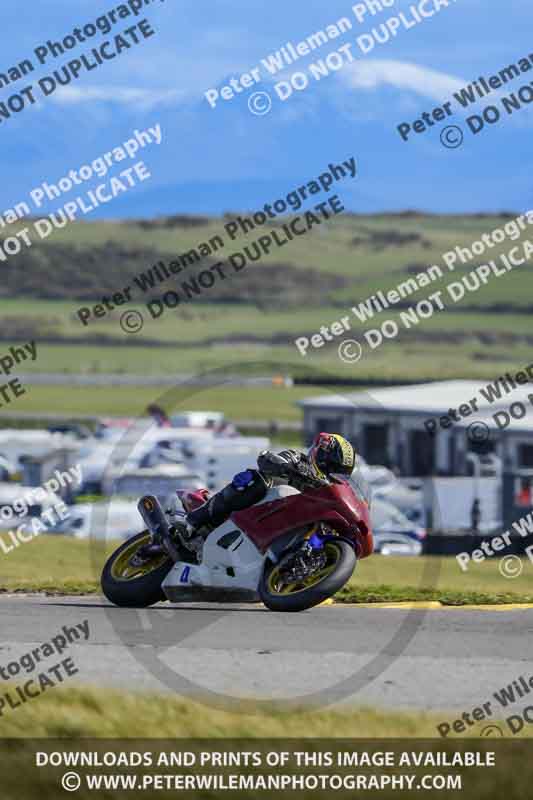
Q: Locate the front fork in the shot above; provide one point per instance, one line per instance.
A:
(311, 548)
(316, 539)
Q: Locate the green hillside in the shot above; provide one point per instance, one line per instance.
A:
(255, 314)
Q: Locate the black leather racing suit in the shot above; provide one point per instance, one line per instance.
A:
(250, 486)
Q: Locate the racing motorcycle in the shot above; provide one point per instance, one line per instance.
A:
(293, 549)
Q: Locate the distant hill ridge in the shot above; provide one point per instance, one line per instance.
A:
(349, 258)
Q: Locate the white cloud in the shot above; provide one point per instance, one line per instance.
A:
(144, 99)
(437, 86)
(402, 75)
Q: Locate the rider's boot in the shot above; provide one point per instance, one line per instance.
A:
(200, 522)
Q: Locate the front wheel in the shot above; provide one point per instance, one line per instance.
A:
(133, 583)
(278, 594)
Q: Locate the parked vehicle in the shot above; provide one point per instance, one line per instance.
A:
(220, 459)
(394, 533)
(101, 459)
(162, 481)
(101, 520)
(408, 501)
(8, 471)
(18, 502)
(15, 444)
(386, 486)
(197, 419)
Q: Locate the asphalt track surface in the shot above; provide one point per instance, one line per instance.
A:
(436, 659)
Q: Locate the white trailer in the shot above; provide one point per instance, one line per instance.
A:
(220, 459)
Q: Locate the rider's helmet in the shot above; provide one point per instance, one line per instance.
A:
(332, 454)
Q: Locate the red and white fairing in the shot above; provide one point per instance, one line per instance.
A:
(234, 553)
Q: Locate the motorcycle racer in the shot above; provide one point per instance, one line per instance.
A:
(292, 553)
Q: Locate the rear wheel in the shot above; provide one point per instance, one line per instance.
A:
(135, 583)
(280, 594)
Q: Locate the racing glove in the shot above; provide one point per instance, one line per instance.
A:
(289, 465)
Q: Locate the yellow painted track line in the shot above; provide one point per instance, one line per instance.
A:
(436, 605)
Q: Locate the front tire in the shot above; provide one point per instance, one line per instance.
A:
(131, 587)
(300, 596)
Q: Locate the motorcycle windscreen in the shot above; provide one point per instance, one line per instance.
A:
(361, 486)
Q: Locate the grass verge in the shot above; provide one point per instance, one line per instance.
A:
(62, 565)
(448, 597)
(83, 712)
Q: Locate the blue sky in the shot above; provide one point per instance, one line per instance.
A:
(212, 161)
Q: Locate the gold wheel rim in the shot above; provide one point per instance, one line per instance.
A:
(274, 580)
(123, 570)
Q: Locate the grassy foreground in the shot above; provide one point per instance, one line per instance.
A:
(70, 566)
(84, 712)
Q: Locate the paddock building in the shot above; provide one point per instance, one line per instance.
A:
(391, 426)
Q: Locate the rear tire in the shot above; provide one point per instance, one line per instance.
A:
(134, 590)
(301, 599)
